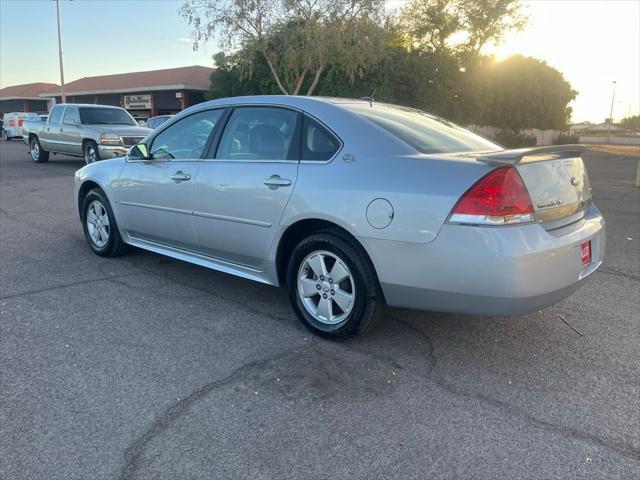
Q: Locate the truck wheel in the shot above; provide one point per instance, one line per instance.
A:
(38, 154)
(5, 137)
(91, 153)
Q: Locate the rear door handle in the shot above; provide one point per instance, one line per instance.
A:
(275, 181)
(180, 177)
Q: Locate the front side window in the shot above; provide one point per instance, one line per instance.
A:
(317, 142)
(105, 116)
(71, 116)
(187, 138)
(424, 132)
(259, 133)
(56, 115)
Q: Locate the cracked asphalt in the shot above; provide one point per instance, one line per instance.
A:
(143, 367)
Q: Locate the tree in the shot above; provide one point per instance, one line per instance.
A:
(631, 122)
(459, 26)
(297, 39)
(523, 92)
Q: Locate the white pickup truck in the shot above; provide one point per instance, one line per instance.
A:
(94, 132)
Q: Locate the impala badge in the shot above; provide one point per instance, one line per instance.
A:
(575, 182)
(550, 203)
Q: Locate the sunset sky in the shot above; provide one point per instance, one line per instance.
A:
(592, 42)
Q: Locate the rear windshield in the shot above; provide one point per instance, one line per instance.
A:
(424, 132)
(105, 116)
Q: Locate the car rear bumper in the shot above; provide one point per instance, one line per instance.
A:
(489, 270)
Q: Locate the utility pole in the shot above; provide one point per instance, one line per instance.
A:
(613, 97)
(64, 97)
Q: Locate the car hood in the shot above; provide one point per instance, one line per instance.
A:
(122, 130)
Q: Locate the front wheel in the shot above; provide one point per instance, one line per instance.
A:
(38, 154)
(332, 286)
(91, 153)
(99, 223)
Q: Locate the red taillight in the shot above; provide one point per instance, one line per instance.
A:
(586, 253)
(498, 198)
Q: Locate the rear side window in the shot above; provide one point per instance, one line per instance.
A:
(258, 133)
(317, 142)
(424, 132)
(71, 116)
(56, 115)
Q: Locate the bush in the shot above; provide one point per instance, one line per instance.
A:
(510, 139)
(566, 139)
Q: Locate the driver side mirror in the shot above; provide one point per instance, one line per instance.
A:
(140, 151)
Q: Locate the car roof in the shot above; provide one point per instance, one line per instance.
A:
(299, 101)
(84, 105)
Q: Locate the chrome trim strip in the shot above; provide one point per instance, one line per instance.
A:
(256, 223)
(226, 218)
(157, 207)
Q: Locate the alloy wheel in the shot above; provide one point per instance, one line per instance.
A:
(35, 150)
(90, 154)
(326, 287)
(98, 224)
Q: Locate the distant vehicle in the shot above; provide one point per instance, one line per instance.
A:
(14, 123)
(94, 132)
(351, 205)
(142, 121)
(155, 122)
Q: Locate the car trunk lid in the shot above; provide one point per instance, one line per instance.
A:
(556, 179)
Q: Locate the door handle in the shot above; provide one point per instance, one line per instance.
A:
(275, 181)
(180, 177)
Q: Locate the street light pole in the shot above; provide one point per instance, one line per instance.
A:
(64, 97)
(613, 97)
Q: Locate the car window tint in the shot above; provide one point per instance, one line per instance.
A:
(71, 116)
(317, 142)
(424, 132)
(55, 115)
(187, 138)
(258, 133)
(106, 116)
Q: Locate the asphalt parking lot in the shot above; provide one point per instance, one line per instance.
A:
(143, 367)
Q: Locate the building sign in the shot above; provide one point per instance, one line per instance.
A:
(137, 102)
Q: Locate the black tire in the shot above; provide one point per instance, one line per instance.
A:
(5, 137)
(90, 151)
(38, 154)
(114, 246)
(369, 300)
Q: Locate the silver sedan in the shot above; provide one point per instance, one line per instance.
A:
(351, 205)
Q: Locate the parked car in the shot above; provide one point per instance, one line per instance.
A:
(142, 121)
(94, 132)
(155, 122)
(351, 205)
(13, 123)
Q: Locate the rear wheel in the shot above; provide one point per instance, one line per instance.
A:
(38, 154)
(90, 150)
(99, 223)
(332, 286)
(5, 137)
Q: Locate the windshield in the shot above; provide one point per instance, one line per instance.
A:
(424, 132)
(105, 116)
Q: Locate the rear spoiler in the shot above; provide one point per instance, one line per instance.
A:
(533, 154)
